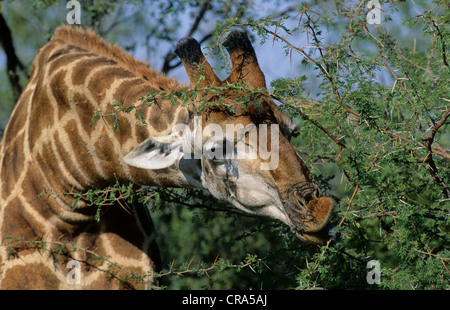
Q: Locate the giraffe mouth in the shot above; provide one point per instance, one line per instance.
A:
(311, 220)
(319, 237)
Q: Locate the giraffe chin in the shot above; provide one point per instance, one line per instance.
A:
(319, 237)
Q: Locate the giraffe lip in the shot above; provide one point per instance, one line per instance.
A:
(311, 222)
(319, 237)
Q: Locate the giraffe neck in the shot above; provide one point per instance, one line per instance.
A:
(51, 148)
(76, 84)
(67, 153)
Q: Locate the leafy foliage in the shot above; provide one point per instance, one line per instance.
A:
(386, 142)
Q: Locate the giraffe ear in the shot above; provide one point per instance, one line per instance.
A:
(156, 153)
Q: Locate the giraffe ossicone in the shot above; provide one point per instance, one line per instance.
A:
(50, 146)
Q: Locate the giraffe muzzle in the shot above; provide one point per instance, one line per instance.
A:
(316, 227)
(310, 214)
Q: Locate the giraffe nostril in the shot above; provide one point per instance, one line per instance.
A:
(305, 192)
(318, 193)
(309, 197)
(297, 198)
(311, 193)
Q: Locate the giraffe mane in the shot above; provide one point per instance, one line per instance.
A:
(89, 40)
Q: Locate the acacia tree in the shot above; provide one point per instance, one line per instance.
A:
(386, 140)
(372, 111)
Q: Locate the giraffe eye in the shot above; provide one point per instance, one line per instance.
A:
(217, 151)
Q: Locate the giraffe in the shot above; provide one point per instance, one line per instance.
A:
(51, 146)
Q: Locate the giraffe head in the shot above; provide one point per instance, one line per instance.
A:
(240, 154)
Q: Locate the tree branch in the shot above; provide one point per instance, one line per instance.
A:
(444, 50)
(13, 64)
(429, 158)
(316, 63)
(171, 55)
